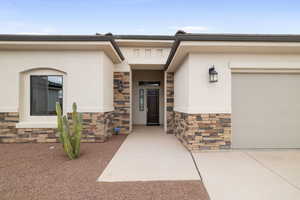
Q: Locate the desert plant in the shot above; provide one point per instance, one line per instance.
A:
(69, 135)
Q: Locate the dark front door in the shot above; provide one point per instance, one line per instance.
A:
(152, 107)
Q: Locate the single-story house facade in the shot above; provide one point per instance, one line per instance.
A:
(213, 91)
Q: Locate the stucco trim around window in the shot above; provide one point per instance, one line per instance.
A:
(26, 119)
(36, 125)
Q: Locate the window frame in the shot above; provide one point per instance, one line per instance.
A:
(149, 83)
(141, 99)
(31, 94)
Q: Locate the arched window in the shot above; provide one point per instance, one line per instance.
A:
(40, 89)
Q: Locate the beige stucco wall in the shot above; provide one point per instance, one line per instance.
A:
(140, 117)
(106, 85)
(89, 79)
(181, 86)
(204, 97)
(122, 67)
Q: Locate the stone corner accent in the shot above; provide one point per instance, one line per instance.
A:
(8, 131)
(170, 102)
(97, 127)
(122, 102)
(203, 131)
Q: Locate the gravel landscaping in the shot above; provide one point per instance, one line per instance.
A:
(43, 171)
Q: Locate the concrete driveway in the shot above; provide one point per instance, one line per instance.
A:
(259, 175)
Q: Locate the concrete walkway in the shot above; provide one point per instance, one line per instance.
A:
(149, 154)
(248, 175)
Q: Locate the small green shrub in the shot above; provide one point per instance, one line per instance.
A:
(69, 135)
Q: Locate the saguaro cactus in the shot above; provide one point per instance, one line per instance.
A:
(69, 136)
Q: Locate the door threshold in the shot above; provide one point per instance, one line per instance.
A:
(153, 124)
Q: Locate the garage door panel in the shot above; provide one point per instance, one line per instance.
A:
(266, 110)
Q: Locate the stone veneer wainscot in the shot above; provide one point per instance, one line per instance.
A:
(203, 131)
(97, 127)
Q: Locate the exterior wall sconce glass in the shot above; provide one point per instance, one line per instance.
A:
(213, 75)
(120, 86)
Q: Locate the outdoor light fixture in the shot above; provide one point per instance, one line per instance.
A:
(213, 75)
(120, 86)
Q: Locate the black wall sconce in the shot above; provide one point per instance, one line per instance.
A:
(119, 85)
(213, 74)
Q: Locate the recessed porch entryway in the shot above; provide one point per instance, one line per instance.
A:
(149, 154)
(148, 97)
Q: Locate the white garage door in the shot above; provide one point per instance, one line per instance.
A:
(265, 110)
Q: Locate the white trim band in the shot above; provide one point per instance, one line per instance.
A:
(36, 125)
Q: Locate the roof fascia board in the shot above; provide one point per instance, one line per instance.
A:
(233, 38)
(105, 46)
(239, 37)
(238, 44)
(145, 43)
(186, 47)
(17, 37)
(63, 38)
(145, 37)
